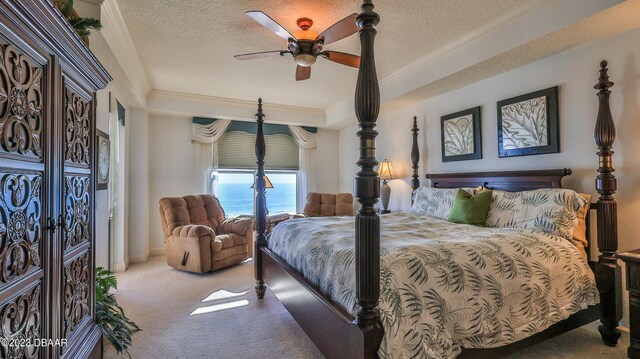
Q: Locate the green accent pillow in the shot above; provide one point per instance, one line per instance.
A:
(470, 209)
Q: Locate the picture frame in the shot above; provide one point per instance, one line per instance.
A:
(461, 135)
(529, 124)
(103, 160)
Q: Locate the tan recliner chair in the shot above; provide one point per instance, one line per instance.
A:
(199, 238)
(326, 204)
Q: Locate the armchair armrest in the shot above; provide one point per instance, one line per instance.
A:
(189, 248)
(239, 226)
(193, 230)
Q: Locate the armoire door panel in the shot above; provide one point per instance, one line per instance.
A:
(21, 102)
(21, 317)
(76, 218)
(77, 297)
(77, 129)
(20, 225)
(23, 155)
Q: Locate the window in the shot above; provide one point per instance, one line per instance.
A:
(237, 163)
(282, 197)
(237, 197)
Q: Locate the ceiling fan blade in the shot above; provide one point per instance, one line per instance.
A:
(256, 55)
(341, 29)
(342, 58)
(303, 73)
(266, 21)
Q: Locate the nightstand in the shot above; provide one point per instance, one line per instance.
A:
(632, 261)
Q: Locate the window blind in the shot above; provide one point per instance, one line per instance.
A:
(236, 150)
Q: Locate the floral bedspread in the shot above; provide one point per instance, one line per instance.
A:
(444, 285)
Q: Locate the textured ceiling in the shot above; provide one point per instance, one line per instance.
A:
(188, 46)
(615, 20)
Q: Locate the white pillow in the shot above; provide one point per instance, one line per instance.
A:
(550, 210)
(434, 202)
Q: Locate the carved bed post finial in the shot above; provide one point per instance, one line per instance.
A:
(367, 184)
(261, 203)
(607, 270)
(415, 157)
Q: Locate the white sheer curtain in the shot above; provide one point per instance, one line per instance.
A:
(206, 137)
(307, 145)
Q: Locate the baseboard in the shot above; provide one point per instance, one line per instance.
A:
(120, 267)
(157, 251)
(139, 259)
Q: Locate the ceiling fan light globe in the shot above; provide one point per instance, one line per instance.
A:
(305, 60)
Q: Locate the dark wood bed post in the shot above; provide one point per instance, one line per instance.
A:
(607, 270)
(261, 204)
(367, 187)
(415, 157)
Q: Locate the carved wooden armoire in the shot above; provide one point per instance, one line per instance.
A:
(48, 80)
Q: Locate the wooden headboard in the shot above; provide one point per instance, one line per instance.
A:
(512, 181)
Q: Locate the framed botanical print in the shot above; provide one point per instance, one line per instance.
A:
(103, 160)
(461, 135)
(529, 124)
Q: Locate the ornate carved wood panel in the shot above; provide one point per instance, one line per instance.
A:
(76, 222)
(20, 225)
(48, 84)
(77, 129)
(21, 322)
(20, 104)
(76, 293)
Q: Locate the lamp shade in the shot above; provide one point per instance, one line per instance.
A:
(266, 179)
(385, 170)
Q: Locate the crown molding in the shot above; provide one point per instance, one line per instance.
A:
(117, 36)
(182, 104)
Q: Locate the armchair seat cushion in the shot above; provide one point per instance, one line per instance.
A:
(225, 241)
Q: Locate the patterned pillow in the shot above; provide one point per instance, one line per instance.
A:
(434, 202)
(550, 210)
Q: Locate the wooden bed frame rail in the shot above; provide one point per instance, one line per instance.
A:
(337, 333)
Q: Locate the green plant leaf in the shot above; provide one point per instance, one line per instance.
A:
(67, 9)
(110, 316)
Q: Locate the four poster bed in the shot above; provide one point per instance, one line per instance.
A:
(320, 308)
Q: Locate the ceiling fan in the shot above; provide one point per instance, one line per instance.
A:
(306, 47)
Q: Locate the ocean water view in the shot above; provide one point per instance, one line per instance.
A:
(237, 198)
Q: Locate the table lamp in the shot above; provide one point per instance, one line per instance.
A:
(268, 185)
(385, 172)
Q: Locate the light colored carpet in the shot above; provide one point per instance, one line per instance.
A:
(161, 299)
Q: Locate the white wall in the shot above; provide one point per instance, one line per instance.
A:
(102, 197)
(327, 155)
(393, 143)
(118, 225)
(138, 186)
(172, 166)
(575, 72)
